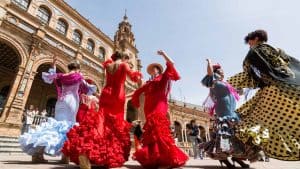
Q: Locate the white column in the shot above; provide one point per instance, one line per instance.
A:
(186, 139)
(182, 136)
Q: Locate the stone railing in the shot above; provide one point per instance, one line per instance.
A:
(186, 147)
(37, 120)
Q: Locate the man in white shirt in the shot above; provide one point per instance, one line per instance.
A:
(29, 117)
(44, 116)
(44, 113)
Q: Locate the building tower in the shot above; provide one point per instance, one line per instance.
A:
(124, 41)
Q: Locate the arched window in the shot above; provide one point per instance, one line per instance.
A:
(101, 53)
(22, 3)
(43, 14)
(90, 45)
(77, 36)
(62, 26)
(3, 96)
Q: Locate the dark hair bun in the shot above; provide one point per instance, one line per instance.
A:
(117, 55)
(262, 36)
(74, 65)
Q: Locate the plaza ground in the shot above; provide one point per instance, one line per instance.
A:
(23, 162)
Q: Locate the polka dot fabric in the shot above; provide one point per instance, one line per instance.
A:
(275, 108)
(242, 80)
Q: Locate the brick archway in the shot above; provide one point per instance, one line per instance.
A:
(18, 48)
(60, 64)
(12, 62)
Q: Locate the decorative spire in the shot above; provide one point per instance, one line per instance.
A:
(125, 18)
(124, 34)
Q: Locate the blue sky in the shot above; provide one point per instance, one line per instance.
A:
(192, 30)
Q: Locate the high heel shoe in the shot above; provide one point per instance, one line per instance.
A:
(240, 162)
(227, 163)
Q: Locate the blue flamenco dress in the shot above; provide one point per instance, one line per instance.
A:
(223, 143)
(51, 135)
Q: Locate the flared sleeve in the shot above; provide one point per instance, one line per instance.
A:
(135, 100)
(208, 81)
(106, 63)
(91, 89)
(49, 76)
(135, 76)
(87, 88)
(171, 72)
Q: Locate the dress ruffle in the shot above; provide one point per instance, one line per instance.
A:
(50, 136)
(158, 146)
(223, 142)
(259, 135)
(104, 139)
(135, 76)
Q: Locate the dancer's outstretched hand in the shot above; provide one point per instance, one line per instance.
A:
(165, 56)
(208, 60)
(161, 52)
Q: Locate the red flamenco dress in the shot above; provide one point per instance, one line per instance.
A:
(103, 136)
(158, 146)
(87, 103)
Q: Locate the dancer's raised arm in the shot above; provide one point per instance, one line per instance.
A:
(165, 56)
(170, 72)
(49, 76)
(210, 69)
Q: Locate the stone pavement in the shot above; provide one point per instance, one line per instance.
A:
(23, 162)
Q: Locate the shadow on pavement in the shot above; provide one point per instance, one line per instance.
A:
(204, 167)
(133, 166)
(210, 167)
(129, 166)
(29, 162)
(93, 167)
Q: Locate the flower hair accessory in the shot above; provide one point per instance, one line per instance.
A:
(216, 66)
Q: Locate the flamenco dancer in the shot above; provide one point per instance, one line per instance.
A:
(51, 135)
(102, 138)
(275, 108)
(87, 102)
(222, 103)
(158, 146)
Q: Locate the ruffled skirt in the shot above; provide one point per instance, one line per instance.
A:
(224, 143)
(83, 108)
(158, 146)
(103, 138)
(275, 109)
(49, 136)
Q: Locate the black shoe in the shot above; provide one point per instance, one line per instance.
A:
(240, 162)
(227, 163)
(267, 159)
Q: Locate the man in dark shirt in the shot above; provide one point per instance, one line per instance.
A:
(194, 137)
